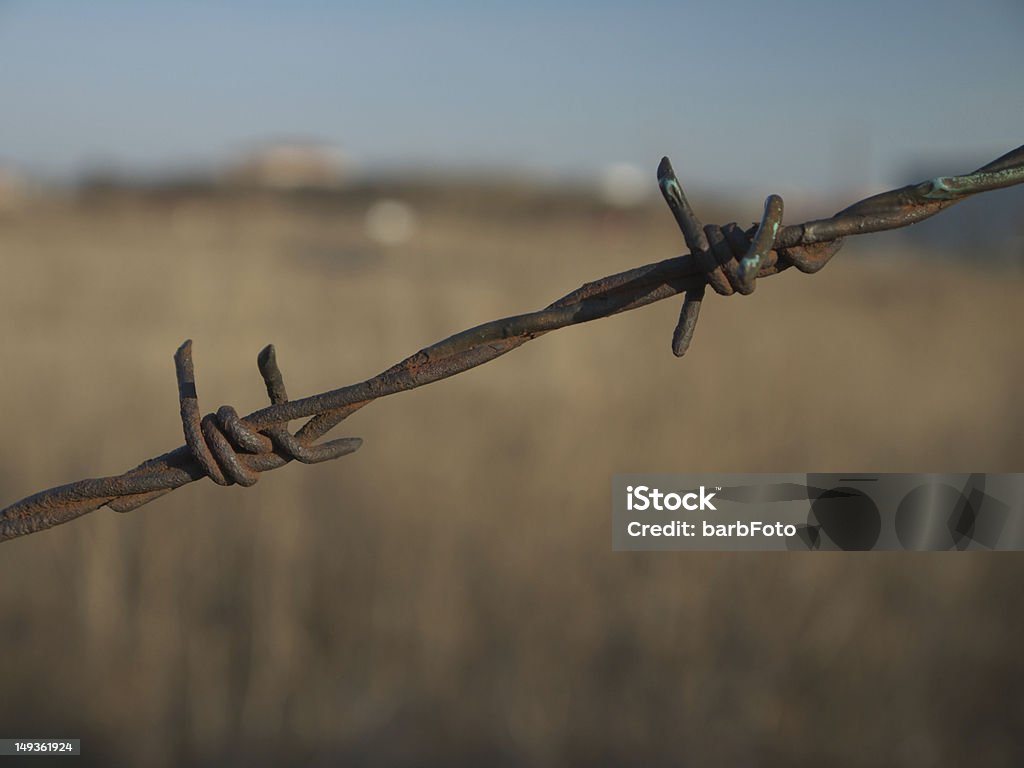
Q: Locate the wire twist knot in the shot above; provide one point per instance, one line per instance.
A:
(729, 257)
(226, 446)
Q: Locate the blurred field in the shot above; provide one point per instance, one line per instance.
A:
(448, 593)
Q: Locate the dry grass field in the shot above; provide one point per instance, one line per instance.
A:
(448, 594)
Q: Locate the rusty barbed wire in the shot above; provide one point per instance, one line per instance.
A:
(233, 450)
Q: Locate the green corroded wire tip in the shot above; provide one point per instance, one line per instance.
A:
(672, 191)
(667, 176)
(686, 219)
(762, 243)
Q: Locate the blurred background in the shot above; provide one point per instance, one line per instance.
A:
(353, 181)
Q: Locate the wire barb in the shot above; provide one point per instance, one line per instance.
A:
(697, 242)
(215, 439)
(234, 450)
(729, 258)
(761, 244)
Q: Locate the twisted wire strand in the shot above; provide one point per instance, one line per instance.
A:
(233, 450)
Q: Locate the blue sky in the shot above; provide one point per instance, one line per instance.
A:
(783, 94)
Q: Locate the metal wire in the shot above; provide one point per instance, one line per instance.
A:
(232, 450)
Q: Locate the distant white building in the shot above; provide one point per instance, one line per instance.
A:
(291, 165)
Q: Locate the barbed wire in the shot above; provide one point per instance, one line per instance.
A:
(234, 450)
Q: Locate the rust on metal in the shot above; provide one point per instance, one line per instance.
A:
(233, 450)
